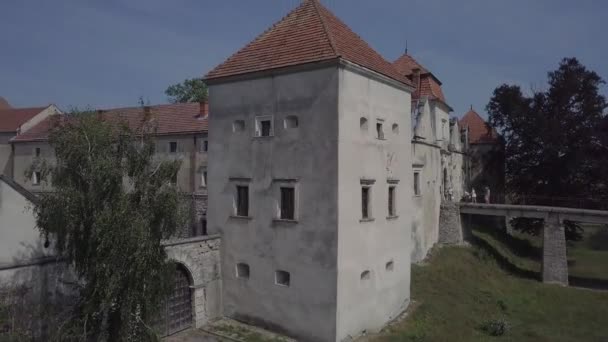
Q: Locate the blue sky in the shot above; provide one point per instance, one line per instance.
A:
(109, 53)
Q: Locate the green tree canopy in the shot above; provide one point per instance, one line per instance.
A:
(550, 135)
(191, 90)
(554, 141)
(109, 210)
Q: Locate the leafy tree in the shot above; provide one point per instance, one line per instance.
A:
(191, 90)
(110, 208)
(551, 147)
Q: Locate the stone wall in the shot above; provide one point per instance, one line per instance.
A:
(201, 257)
(450, 227)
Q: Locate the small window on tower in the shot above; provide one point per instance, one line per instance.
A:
(264, 126)
(365, 210)
(380, 130)
(173, 147)
(282, 278)
(288, 199)
(205, 146)
(242, 270)
(242, 200)
(391, 201)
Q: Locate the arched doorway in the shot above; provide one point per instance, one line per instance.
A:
(176, 314)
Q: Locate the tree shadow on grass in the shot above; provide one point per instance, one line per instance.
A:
(523, 248)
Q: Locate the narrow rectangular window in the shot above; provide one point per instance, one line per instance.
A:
(391, 201)
(365, 202)
(242, 200)
(287, 203)
(204, 179)
(173, 146)
(204, 226)
(37, 151)
(36, 178)
(379, 130)
(417, 183)
(205, 146)
(265, 128)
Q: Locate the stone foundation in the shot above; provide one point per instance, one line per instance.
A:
(450, 226)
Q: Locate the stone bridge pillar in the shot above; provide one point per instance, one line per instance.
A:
(555, 261)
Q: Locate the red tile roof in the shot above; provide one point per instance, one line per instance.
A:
(308, 34)
(406, 65)
(11, 119)
(429, 86)
(479, 131)
(181, 118)
(4, 104)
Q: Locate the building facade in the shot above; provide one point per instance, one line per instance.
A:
(438, 155)
(310, 161)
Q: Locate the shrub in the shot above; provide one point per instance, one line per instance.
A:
(495, 327)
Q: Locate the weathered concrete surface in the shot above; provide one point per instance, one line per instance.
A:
(555, 262)
(306, 155)
(368, 304)
(201, 257)
(450, 226)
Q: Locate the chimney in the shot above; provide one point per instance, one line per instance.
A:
(203, 109)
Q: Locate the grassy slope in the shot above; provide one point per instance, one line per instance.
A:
(587, 258)
(463, 287)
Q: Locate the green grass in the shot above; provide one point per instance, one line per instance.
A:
(463, 290)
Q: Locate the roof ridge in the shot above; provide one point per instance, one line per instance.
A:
(330, 37)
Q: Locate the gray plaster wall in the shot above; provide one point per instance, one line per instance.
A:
(308, 156)
(201, 257)
(369, 302)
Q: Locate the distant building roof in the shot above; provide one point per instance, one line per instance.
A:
(4, 104)
(429, 85)
(479, 131)
(308, 34)
(11, 119)
(179, 118)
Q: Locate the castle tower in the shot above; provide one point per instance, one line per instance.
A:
(310, 185)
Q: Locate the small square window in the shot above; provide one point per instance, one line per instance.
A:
(37, 152)
(366, 275)
(288, 200)
(417, 183)
(365, 198)
(173, 147)
(242, 200)
(282, 278)
(380, 130)
(242, 270)
(36, 178)
(264, 126)
(391, 201)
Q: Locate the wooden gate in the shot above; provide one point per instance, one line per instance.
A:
(177, 313)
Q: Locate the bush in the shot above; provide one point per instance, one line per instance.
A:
(495, 327)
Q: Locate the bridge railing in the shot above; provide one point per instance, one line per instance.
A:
(551, 201)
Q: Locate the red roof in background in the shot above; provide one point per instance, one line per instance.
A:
(4, 104)
(180, 118)
(308, 34)
(406, 65)
(11, 119)
(429, 85)
(479, 131)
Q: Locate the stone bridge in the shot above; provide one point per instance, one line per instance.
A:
(555, 262)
